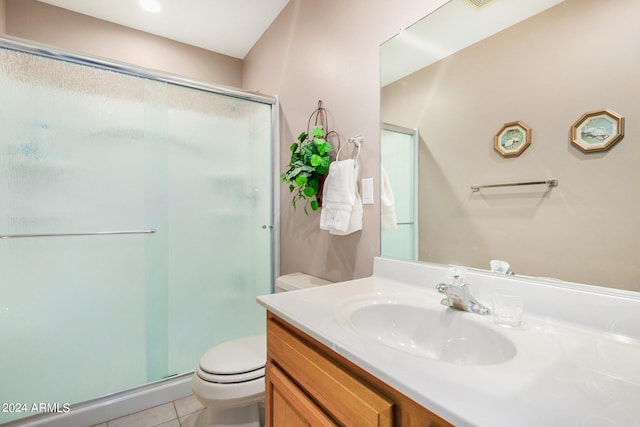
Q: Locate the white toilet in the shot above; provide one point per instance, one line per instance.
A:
(229, 379)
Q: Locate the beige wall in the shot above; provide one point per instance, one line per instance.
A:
(325, 50)
(43, 23)
(3, 19)
(545, 72)
(329, 50)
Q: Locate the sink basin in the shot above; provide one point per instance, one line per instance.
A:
(434, 333)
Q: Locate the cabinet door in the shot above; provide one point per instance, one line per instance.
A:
(290, 406)
(349, 401)
(415, 416)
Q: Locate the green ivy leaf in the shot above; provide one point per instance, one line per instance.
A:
(291, 188)
(313, 183)
(302, 137)
(329, 147)
(314, 205)
(301, 180)
(316, 160)
(308, 151)
(322, 148)
(293, 173)
(293, 147)
(322, 170)
(317, 131)
(310, 191)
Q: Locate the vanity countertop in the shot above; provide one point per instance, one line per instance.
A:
(564, 372)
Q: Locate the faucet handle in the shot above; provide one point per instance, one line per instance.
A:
(442, 288)
(498, 266)
(456, 276)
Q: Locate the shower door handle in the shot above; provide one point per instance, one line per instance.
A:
(92, 233)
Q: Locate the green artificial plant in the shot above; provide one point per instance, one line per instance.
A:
(308, 167)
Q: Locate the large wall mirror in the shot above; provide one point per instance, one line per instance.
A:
(463, 75)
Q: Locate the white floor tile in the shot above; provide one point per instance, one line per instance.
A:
(148, 418)
(172, 423)
(194, 419)
(187, 405)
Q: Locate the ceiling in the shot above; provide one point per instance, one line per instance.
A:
(449, 29)
(230, 27)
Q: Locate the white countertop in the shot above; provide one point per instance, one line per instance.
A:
(564, 373)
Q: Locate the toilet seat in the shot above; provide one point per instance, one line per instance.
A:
(234, 361)
(230, 378)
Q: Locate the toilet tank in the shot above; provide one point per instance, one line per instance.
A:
(294, 281)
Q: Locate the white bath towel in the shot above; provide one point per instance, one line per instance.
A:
(388, 219)
(341, 203)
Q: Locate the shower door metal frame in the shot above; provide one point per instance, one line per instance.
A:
(160, 391)
(27, 46)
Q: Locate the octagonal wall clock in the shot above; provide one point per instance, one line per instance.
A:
(597, 130)
(512, 139)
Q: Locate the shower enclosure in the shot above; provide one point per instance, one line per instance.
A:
(136, 216)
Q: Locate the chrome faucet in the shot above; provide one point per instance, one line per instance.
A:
(458, 294)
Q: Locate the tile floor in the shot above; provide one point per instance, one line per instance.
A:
(179, 413)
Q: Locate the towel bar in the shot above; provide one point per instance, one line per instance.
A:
(94, 233)
(550, 183)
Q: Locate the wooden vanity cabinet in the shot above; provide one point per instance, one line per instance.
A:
(307, 384)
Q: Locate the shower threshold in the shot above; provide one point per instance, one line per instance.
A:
(113, 406)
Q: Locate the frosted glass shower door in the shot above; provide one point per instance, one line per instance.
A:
(72, 151)
(219, 221)
(398, 153)
(148, 211)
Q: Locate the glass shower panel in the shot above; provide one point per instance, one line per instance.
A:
(219, 198)
(71, 148)
(86, 150)
(398, 150)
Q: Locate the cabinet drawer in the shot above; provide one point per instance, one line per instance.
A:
(291, 407)
(347, 400)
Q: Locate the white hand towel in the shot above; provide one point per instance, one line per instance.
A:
(355, 220)
(388, 220)
(341, 204)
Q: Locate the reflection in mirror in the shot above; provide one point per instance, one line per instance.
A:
(399, 192)
(546, 71)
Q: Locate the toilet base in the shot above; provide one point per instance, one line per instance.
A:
(244, 416)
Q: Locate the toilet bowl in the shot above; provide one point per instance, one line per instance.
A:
(229, 382)
(229, 379)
